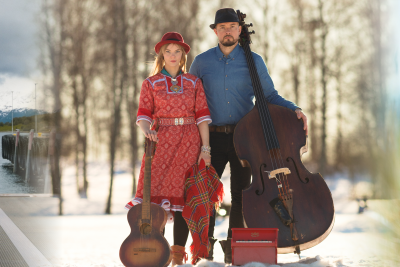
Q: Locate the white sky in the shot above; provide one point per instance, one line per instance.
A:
(18, 52)
(21, 89)
(393, 81)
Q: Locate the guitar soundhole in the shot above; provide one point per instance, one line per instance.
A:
(145, 229)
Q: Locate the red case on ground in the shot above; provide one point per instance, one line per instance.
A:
(252, 251)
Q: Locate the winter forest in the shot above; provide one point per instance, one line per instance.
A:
(334, 58)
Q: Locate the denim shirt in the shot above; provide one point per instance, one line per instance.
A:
(227, 84)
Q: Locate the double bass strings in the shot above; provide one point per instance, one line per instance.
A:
(266, 119)
(263, 111)
(261, 107)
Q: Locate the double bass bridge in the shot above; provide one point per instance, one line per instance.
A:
(274, 173)
(271, 175)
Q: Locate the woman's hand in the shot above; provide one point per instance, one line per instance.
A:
(152, 135)
(205, 140)
(206, 157)
(145, 127)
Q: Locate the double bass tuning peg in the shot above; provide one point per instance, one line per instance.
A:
(252, 32)
(249, 25)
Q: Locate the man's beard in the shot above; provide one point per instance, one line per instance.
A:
(229, 43)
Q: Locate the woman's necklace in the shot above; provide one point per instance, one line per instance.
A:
(174, 86)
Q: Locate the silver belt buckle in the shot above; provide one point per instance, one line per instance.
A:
(181, 121)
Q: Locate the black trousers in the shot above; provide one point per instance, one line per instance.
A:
(181, 230)
(222, 152)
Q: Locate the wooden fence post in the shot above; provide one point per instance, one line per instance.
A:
(28, 159)
(15, 152)
(50, 155)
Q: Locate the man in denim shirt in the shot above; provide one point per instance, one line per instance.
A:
(227, 84)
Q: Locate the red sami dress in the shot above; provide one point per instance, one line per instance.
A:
(179, 145)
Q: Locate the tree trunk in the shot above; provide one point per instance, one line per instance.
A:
(132, 101)
(296, 81)
(55, 47)
(311, 85)
(116, 93)
(84, 151)
(339, 117)
(323, 66)
(77, 132)
(339, 130)
(120, 50)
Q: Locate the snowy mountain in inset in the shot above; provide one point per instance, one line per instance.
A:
(7, 114)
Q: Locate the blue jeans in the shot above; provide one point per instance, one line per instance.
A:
(222, 152)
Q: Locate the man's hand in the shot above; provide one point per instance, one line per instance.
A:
(301, 115)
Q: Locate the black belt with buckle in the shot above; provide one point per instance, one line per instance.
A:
(228, 129)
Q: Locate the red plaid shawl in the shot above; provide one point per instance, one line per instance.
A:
(203, 192)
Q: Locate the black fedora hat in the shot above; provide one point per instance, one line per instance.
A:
(224, 15)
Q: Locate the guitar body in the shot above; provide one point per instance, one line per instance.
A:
(146, 246)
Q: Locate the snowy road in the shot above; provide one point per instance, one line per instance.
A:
(356, 239)
(95, 241)
(84, 236)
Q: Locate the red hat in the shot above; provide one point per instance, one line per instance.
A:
(172, 38)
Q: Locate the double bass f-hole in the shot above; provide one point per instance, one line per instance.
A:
(297, 171)
(271, 175)
(262, 179)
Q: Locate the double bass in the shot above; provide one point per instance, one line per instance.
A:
(283, 194)
(146, 245)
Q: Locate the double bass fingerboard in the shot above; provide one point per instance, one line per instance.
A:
(261, 101)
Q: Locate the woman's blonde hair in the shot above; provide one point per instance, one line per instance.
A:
(159, 62)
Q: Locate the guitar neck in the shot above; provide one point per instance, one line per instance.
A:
(147, 182)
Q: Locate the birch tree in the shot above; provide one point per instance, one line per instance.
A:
(53, 29)
(119, 66)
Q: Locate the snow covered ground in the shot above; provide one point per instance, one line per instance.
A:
(90, 238)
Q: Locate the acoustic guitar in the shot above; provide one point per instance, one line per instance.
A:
(146, 245)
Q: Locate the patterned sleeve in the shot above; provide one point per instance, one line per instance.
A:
(201, 107)
(146, 103)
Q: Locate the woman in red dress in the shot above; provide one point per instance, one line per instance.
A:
(175, 101)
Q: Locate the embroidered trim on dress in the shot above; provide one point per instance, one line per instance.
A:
(166, 85)
(152, 83)
(204, 118)
(144, 118)
(193, 82)
(165, 204)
